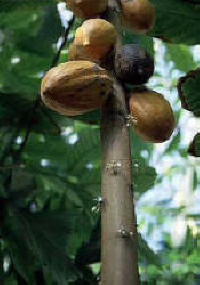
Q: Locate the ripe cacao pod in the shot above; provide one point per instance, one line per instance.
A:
(72, 52)
(75, 87)
(87, 8)
(153, 116)
(97, 37)
(139, 15)
(76, 52)
(133, 65)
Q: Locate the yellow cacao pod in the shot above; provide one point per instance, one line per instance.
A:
(152, 116)
(139, 15)
(87, 8)
(75, 87)
(76, 52)
(97, 37)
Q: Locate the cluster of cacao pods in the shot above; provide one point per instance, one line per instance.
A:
(139, 15)
(81, 84)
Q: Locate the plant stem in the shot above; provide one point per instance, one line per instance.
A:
(118, 254)
(119, 257)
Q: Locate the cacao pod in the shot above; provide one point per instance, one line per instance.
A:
(75, 87)
(97, 37)
(139, 15)
(133, 65)
(76, 52)
(154, 120)
(72, 52)
(87, 8)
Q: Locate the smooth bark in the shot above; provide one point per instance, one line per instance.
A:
(119, 257)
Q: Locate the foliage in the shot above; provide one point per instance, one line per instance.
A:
(190, 89)
(169, 24)
(194, 148)
(176, 53)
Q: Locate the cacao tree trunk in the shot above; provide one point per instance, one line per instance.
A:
(119, 261)
(119, 258)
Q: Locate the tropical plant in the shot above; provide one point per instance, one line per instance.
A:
(50, 164)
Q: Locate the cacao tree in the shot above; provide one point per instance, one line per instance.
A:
(50, 164)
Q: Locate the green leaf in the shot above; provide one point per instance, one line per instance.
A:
(15, 19)
(22, 180)
(194, 148)
(143, 175)
(177, 21)
(177, 53)
(10, 281)
(191, 91)
(194, 258)
(42, 238)
(92, 118)
(9, 5)
(23, 61)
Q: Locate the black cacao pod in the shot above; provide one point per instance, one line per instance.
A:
(133, 64)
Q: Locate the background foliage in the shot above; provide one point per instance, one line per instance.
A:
(50, 164)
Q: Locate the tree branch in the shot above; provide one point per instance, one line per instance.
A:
(64, 42)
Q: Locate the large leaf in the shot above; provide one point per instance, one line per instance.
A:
(41, 238)
(194, 148)
(143, 175)
(177, 21)
(23, 61)
(189, 91)
(10, 281)
(9, 5)
(176, 53)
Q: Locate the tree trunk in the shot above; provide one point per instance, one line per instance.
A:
(118, 231)
(119, 257)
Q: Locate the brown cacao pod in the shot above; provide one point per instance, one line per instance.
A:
(139, 15)
(75, 87)
(87, 8)
(133, 65)
(97, 37)
(153, 116)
